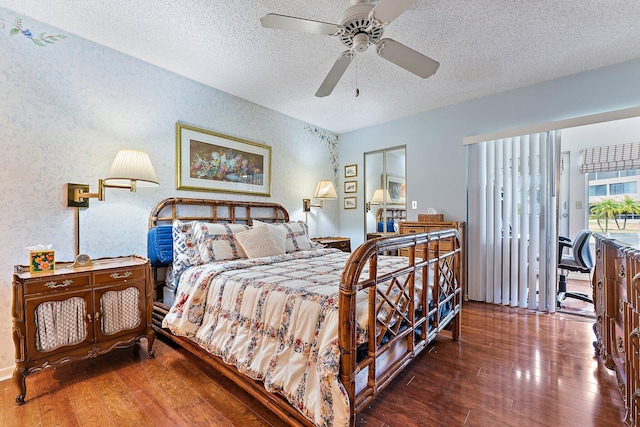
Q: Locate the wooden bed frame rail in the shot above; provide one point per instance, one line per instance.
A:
(400, 331)
(407, 330)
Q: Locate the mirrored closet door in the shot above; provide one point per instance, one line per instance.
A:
(384, 191)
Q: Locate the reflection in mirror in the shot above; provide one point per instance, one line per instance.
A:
(384, 191)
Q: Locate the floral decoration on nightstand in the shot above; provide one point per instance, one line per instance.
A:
(41, 40)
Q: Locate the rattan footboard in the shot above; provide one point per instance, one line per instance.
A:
(399, 336)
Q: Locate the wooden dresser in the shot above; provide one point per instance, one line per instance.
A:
(78, 313)
(616, 296)
(408, 227)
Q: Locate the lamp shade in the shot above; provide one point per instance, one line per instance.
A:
(131, 166)
(379, 197)
(325, 190)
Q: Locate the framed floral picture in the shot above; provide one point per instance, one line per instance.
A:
(350, 202)
(209, 161)
(350, 171)
(351, 186)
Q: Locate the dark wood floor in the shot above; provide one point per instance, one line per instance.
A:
(513, 367)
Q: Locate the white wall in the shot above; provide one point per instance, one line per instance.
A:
(66, 109)
(436, 159)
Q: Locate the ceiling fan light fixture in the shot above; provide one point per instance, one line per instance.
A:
(360, 42)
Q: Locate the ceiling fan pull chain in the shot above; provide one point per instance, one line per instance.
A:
(357, 90)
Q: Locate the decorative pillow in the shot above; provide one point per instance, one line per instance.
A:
(279, 233)
(185, 251)
(216, 242)
(160, 245)
(258, 242)
(297, 236)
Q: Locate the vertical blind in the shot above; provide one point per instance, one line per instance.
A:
(513, 221)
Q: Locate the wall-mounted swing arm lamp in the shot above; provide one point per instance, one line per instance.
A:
(130, 169)
(324, 190)
(378, 198)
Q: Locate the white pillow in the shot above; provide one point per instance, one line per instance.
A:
(258, 242)
(278, 233)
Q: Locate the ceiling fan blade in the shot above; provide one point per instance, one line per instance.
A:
(407, 58)
(272, 20)
(335, 73)
(388, 10)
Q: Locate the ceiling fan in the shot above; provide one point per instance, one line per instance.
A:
(361, 25)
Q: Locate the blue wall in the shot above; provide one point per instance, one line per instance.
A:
(436, 158)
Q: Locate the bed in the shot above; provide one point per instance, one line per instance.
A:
(314, 334)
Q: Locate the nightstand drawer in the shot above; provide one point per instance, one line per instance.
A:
(120, 275)
(343, 246)
(56, 283)
(342, 243)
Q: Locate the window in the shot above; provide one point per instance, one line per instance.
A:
(607, 175)
(597, 190)
(622, 188)
(633, 172)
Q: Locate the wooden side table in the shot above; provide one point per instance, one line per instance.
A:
(78, 313)
(342, 243)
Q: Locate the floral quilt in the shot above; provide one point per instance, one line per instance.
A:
(276, 320)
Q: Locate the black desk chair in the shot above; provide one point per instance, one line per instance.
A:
(578, 260)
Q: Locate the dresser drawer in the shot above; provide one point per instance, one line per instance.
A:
(419, 253)
(122, 275)
(56, 283)
(619, 301)
(618, 345)
(411, 229)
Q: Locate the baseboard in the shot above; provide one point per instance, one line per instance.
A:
(6, 373)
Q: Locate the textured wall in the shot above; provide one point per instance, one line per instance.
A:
(68, 106)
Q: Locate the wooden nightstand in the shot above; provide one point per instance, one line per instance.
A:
(342, 243)
(77, 313)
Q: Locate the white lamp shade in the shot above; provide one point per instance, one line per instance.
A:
(131, 165)
(325, 190)
(379, 197)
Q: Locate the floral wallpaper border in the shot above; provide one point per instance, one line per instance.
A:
(41, 40)
(330, 139)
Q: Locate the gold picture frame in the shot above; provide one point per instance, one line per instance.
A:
(350, 202)
(397, 189)
(210, 161)
(351, 186)
(350, 171)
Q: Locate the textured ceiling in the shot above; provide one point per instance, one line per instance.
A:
(484, 47)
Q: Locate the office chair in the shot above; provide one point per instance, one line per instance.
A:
(578, 260)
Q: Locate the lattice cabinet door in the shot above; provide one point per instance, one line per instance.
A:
(56, 322)
(120, 309)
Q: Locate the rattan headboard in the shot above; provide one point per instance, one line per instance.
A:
(393, 214)
(226, 211)
(207, 210)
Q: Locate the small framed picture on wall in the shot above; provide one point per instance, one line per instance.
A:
(350, 171)
(351, 186)
(350, 202)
